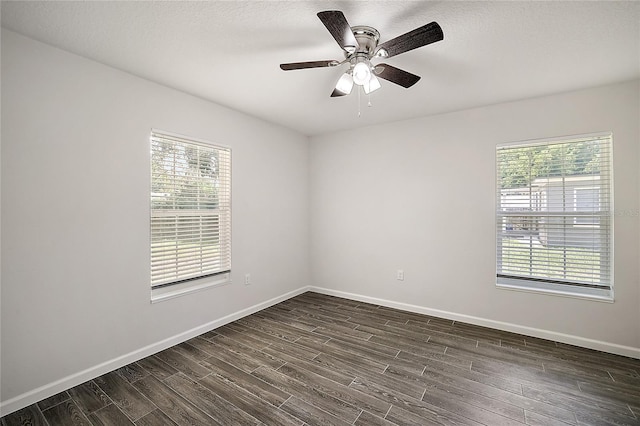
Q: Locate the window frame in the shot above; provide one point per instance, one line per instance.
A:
(180, 286)
(601, 292)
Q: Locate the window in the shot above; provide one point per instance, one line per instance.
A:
(190, 211)
(554, 215)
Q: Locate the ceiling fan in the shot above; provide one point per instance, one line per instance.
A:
(360, 46)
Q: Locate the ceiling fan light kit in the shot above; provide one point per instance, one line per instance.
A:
(360, 46)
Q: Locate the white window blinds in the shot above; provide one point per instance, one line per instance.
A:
(554, 212)
(190, 209)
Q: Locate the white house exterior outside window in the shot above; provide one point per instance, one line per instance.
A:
(554, 220)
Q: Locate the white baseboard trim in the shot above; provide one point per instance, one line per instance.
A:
(45, 391)
(584, 342)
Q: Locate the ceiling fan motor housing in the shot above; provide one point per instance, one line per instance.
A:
(367, 38)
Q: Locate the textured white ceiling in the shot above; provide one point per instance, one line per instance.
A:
(229, 52)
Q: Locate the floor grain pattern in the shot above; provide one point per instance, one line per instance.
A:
(323, 360)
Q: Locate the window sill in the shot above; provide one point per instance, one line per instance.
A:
(165, 293)
(596, 295)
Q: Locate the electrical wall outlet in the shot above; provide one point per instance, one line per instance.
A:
(247, 279)
(400, 275)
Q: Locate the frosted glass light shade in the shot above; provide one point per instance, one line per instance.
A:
(345, 84)
(372, 85)
(361, 73)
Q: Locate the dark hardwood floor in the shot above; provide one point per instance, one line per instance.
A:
(322, 360)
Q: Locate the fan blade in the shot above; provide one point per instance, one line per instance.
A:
(304, 65)
(339, 28)
(396, 75)
(419, 37)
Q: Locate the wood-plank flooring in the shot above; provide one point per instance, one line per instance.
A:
(322, 360)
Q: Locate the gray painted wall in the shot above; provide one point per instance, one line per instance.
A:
(419, 195)
(75, 213)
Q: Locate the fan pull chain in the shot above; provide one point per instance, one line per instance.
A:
(358, 102)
